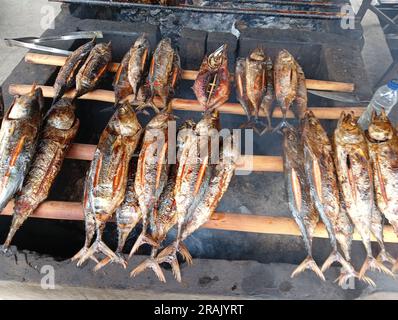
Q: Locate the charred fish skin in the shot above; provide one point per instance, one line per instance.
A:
(121, 83)
(19, 134)
(267, 103)
(59, 130)
(138, 63)
(106, 181)
(152, 171)
(1, 105)
(212, 85)
(382, 141)
(355, 174)
(286, 79)
(240, 83)
(300, 104)
(298, 195)
(67, 74)
(93, 68)
(324, 189)
(164, 72)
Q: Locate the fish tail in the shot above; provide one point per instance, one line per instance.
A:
(372, 264)
(335, 256)
(250, 125)
(183, 250)
(281, 125)
(17, 221)
(169, 255)
(384, 256)
(308, 263)
(347, 274)
(142, 239)
(152, 264)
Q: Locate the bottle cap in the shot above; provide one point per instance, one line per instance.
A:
(393, 84)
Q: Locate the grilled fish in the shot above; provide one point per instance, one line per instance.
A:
(67, 74)
(1, 105)
(152, 171)
(106, 180)
(267, 103)
(59, 130)
(203, 206)
(121, 84)
(212, 85)
(299, 106)
(240, 72)
(382, 141)
(286, 80)
(324, 190)
(93, 68)
(18, 136)
(164, 215)
(355, 176)
(164, 73)
(298, 194)
(137, 64)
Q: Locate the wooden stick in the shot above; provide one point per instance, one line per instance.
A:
(186, 104)
(222, 221)
(52, 60)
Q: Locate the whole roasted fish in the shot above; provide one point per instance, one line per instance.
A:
(1, 105)
(203, 206)
(18, 139)
(67, 74)
(299, 106)
(138, 63)
(212, 85)
(106, 179)
(59, 130)
(93, 68)
(324, 189)
(164, 215)
(121, 84)
(128, 214)
(267, 103)
(164, 73)
(152, 171)
(298, 194)
(286, 79)
(355, 174)
(382, 141)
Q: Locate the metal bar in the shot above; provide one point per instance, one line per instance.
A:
(289, 3)
(208, 9)
(363, 9)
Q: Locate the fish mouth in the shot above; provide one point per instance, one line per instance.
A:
(216, 58)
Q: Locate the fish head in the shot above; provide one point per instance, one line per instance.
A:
(380, 127)
(124, 122)
(26, 105)
(62, 114)
(258, 55)
(160, 121)
(310, 124)
(285, 57)
(142, 41)
(348, 130)
(218, 57)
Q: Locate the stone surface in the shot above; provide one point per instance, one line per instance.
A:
(192, 45)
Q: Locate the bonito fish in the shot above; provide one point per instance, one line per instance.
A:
(18, 139)
(324, 189)
(212, 85)
(138, 63)
(286, 80)
(152, 171)
(355, 175)
(59, 130)
(298, 194)
(106, 179)
(382, 141)
(93, 68)
(67, 74)
(164, 73)
(164, 215)
(203, 206)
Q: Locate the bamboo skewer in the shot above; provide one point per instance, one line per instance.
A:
(52, 60)
(220, 220)
(186, 104)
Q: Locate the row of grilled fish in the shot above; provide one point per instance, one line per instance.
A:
(347, 183)
(260, 83)
(159, 194)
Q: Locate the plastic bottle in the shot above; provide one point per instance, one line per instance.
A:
(385, 97)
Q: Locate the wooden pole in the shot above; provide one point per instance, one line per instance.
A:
(186, 104)
(221, 221)
(38, 58)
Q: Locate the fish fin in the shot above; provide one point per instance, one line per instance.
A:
(169, 255)
(142, 239)
(281, 125)
(308, 263)
(149, 264)
(149, 104)
(346, 274)
(81, 253)
(250, 125)
(185, 253)
(108, 260)
(335, 256)
(372, 264)
(17, 221)
(384, 256)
